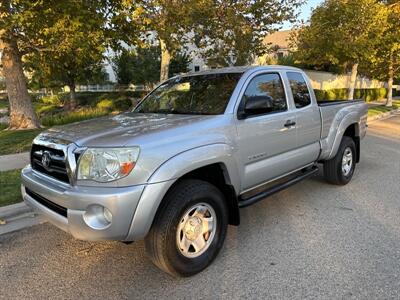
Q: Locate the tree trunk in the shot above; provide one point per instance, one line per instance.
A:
(353, 78)
(72, 103)
(390, 83)
(165, 61)
(22, 114)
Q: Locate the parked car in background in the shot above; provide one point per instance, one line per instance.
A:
(176, 170)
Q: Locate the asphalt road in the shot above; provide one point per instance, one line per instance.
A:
(314, 241)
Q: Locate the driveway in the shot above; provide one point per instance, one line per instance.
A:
(314, 240)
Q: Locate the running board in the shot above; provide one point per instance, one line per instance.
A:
(277, 188)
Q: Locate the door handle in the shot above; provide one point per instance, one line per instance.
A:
(289, 123)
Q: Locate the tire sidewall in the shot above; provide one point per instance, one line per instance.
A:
(347, 143)
(188, 266)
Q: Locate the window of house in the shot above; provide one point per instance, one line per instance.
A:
(196, 68)
(298, 85)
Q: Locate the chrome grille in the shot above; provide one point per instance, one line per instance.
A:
(49, 161)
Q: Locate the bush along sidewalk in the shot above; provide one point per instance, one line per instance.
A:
(368, 94)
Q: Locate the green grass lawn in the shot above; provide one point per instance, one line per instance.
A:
(12, 141)
(17, 141)
(10, 183)
(376, 110)
(3, 104)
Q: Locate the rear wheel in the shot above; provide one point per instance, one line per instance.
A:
(339, 170)
(189, 229)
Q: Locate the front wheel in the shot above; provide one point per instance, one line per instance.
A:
(339, 170)
(189, 228)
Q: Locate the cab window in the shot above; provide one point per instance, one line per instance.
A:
(298, 85)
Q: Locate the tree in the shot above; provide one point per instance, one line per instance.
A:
(385, 64)
(142, 65)
(171, 21)
(76, 38)
(54, 75)
(232, 32)
(138, 66)
(122, 65)
(75, 46)
(179, 64)
(342, 33)
(65, 36)
(22, 114)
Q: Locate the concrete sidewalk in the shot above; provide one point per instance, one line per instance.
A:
(14, 161)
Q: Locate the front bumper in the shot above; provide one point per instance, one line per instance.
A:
(122, 202)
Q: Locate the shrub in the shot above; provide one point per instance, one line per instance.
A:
(337, 94)
(92, 98)
(53, 100)
(36, 97)
(122, 103)
(73, 116)
(375, 94)
(105, 104)
(319, 94)
(46, 109)
(341, 94)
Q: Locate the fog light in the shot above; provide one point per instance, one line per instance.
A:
(107, 214)
(97, 217)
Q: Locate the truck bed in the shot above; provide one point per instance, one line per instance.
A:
(330, 112)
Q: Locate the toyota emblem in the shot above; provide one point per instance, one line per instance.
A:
(46, 158)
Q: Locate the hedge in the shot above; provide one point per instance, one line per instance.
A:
(121, 101)
(341, 94)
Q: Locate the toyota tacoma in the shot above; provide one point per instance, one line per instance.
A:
(176, 170)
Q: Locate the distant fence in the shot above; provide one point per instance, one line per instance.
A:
(108, 88)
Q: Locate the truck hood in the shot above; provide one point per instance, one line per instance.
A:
(118, 130)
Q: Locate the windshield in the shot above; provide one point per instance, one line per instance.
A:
(199, 94)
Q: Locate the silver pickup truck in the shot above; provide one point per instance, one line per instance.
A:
(176, 169)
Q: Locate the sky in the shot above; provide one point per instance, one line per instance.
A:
(305, 12)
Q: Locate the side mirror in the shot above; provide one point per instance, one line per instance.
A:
(256, 105)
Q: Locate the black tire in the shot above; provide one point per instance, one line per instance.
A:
(333, 168)
(161, 244)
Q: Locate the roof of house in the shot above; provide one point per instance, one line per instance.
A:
(279, 38)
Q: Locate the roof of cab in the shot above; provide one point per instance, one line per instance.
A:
(240, 69)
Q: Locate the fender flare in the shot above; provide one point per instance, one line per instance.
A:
(195, 158)
(347, 121)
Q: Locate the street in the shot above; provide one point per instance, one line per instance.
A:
(313, 240)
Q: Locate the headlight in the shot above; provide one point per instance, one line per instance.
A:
(107, 164)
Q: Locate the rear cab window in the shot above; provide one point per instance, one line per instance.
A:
(300, 91)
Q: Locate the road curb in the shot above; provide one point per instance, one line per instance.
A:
(16, 217)
(11, 211)
(383, 115)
